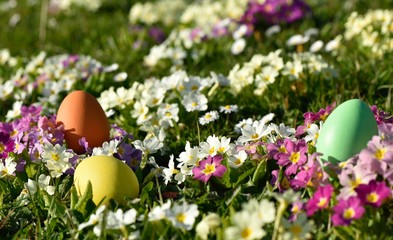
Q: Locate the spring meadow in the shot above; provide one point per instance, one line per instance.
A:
(208, 119)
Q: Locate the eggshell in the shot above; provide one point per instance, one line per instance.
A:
(110, 179)
(346, 131)
(83, 116)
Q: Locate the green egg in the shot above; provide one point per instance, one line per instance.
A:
(346, 131)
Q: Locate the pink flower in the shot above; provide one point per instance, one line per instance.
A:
(377, 155)
(320, 199)
(209, 167)
(294, 157)
(374, 193)
(346, 211)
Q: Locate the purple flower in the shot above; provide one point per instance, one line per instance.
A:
(31, 111)
(157, 34)
(294, 157)
(208, 168)
(6, 145)
(71, 60)
(346, 211)
(275, 11)
(320, 199)
(275, 181)
(374, 193)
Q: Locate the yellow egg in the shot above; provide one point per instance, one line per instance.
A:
(110, 179)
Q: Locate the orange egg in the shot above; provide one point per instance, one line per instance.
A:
(82, 116)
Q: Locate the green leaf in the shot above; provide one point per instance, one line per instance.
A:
(74, 197)
(85, 205)
(260, 171)
(31, 169)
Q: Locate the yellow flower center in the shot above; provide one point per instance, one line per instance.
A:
(322, 202)
(295, 209)
(2, 147)
(372, 197)
(355, 183)
(212, 150)
(181, 217)
(208, 116)
(295, 156)
(194, 104)
(209, 169)
(349, 213)
(55, 157)
(296, 229)
(238, 161)
(246, 233)
(380, 153)
(282, 149)
(221, 150)
(255, 136)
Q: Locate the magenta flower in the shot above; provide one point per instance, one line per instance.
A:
(381, 116)
(374, 193)
(346, 211)
(209, 167)
(6, 145)
(294, 157)
(320, 199)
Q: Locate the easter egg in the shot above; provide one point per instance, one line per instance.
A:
(110, 178)
(82, 116)
(346, 131)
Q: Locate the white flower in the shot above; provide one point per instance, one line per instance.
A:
(8, 167)
(312, 133)
(208, 225)
(254, 132)
(311, 32)
(333, 44)
(107, 149)
(297, 39)
(183, 216)
(149, 145)
(195, 102)
(159, 212)
(299, 229)
(190, 156)
(268, 75)
(238, 46)
(43, 183)
(240, 32)
(94, 220)
(167, 113)
(229, 109)
(169, 171)
(246, 226)
(208, 117)
(272, 30)
(264, 210)
(56, 159)
(293, 69)
(237, 160)
(120, 77)
(210, 147)
(118, 219)
(242, 123)
(283, 131)
(15, 112)
(316, 46)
